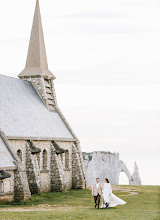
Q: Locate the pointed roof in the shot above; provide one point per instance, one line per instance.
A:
(36, 64)
(23, 114)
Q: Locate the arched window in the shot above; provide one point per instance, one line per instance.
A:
(19, 153)
(45, 160)
(67, 159)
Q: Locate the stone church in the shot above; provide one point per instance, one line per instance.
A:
(39, 151)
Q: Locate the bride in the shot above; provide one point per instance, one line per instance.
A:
(108, 198)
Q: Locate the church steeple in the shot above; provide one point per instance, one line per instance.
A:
(36, 70)
(36, 64)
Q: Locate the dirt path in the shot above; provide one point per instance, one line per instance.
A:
(131, 191)
(44, 207)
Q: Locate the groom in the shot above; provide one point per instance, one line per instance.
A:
(97, 192)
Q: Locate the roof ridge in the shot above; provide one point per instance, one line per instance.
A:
(10, 76)
(15, 78)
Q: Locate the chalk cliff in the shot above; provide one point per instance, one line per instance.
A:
(135, 176)
(106, 164)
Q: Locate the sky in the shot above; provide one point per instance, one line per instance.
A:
(105, 56)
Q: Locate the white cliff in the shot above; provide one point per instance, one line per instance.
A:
(135, 176)
(107, 165)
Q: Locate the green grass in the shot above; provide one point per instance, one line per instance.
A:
(79, 204)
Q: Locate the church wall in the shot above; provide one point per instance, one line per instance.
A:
(78, 175)
(57, 174)
(67, 170)
(21, 186)
(7, 188)
(45, 174)
(38, 84)
(32, 171)
(45, 185)
(19, 145)
(40, 178)
(62, 174)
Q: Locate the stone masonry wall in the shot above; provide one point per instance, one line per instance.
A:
(78, 181)
(41, 180)
(7, 188)
(45, 185)
(67, 171)
(38, 84)
(57, 175)
(61, 177)
(53, 93)
(32, 171)
(19, 145)
(21, 187)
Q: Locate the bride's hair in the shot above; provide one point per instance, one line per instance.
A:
(107, 180)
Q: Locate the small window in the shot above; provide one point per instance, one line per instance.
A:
(44, 160)
(67, 159)
(19, 153)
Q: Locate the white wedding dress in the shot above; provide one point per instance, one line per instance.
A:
(109, 197)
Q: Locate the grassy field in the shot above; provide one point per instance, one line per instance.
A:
(79, 204)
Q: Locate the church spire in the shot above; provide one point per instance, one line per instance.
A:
(36, 64)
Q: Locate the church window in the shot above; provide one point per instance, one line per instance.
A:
(67, 159)
(45, 160)
(19, 153)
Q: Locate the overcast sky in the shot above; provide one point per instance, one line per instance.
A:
(105, 56)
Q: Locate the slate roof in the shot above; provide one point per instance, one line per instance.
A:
(6, 159)
(23, 114)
